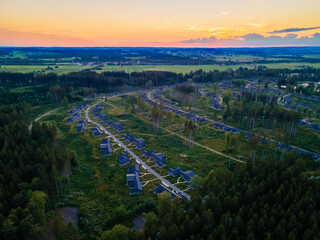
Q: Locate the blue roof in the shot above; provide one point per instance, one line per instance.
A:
(160, 188)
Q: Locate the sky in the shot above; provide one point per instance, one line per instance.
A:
(160, 23)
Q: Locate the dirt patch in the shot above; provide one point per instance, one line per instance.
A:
(67, 214)
(138, 223)
(70, 214)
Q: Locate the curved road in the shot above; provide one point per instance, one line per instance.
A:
(138, 160)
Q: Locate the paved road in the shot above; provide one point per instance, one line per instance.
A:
(43, 115)
(138, 160)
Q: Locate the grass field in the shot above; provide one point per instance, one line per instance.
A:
(66, 68)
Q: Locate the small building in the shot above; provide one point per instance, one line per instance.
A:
(81, 126)
(187, 175)
(133, 180)
(160, 188)
(73, 118)
(103, 117)
(159, 158)
(96, 132)
(105, 147)
(123, 159)
(140, 143)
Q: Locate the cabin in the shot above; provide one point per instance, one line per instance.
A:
(159, 158)
(78, 108)
(103, 117)
(174, 172)
(133, 180)
(105, 147)
(140, 143)
(118, 127)
(123, 159)
(160, 188)
(73, 118)
(187, 175)
(96, 132)
(96, 110)
(81, 126)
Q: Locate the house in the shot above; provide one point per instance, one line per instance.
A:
(159, 158)
(249, 134)
(73, 118)
(174, 172)
(81, 126)
(105, 147)
(123, 159)
(160, 188)
(187, 175)
(140, 143)
(133, 180)
(118, 127)
(96, 110)
(103, 117)
(96, 132)
(78, 108)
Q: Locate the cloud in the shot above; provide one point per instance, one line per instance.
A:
(211, 39)
(254, 39)
(224, 13)
(289, 30)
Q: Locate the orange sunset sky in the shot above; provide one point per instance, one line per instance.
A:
(165, 23)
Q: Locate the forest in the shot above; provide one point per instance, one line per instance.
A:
(31, 166)
(264, 199)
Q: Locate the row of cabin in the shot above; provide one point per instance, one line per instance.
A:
(159, 158)
(174, 110)
(226, 128)
(81, 126)
(145, 98)
(195, 118)
(139, 142)
(315, 156)
(73, 118)
(78, 108)
(96, 132)
(165, 101)
(123, 159)
(116, 125)
(105, 147)
(314, 127)
(133, 179)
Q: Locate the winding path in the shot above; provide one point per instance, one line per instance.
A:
(43, 115)
(138, 160)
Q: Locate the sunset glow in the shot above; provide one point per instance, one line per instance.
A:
(175, 23)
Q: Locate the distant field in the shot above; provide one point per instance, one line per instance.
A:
(188, 68)
(63, 68)
(66, 68)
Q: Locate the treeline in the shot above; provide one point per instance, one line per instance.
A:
(38, 86)
(31, 165)
(266, 199)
